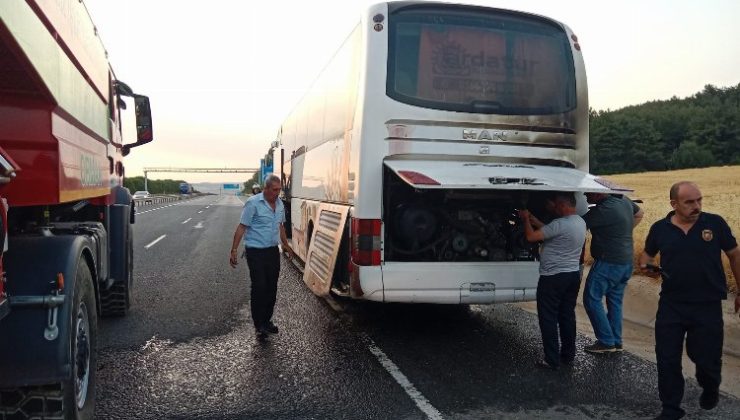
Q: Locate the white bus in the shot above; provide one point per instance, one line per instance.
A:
(406, 160)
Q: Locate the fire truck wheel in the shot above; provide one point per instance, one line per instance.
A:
(79, 389)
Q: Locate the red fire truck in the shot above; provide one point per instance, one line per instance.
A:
(66, 234)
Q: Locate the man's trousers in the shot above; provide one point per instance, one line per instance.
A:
(264, 269)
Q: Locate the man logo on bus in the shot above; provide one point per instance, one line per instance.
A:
(469, 134)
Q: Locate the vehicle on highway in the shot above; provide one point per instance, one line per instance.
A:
(66, 217)
(186, 188)
(141, 194)
(405, 162)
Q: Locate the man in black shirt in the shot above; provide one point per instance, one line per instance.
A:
(690, 244)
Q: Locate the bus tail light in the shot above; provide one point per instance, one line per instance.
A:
(366, 241)
(417, 178)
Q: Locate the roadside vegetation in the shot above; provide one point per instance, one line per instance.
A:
(695, 132)
(155, 186)
(247, 185)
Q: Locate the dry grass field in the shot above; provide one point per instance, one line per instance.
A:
(720, 187)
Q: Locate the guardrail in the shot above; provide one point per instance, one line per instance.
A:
(158, 199)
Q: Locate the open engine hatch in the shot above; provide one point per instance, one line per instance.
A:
(431, 174)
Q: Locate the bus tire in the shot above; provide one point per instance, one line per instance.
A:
(116, 301)
(79, 388)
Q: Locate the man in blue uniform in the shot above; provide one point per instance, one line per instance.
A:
(262, 220)
(690, 243)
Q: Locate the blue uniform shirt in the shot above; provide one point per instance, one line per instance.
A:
(263, 224)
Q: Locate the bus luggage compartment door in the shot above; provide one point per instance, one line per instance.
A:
(477, 293)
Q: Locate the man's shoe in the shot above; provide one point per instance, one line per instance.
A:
(271, 328)
(670, 416)
(261, 334)
(599, 347)
(542, 363)
(618, 347)
(709, 399)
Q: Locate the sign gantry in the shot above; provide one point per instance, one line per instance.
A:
(197, 170)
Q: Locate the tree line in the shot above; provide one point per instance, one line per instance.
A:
(698, 131)
(155, 186)
(250, 182)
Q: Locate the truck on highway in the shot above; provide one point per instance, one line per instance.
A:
(405, 162)
(66, 219)
(186, 188)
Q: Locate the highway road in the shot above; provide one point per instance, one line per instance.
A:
(188, 350)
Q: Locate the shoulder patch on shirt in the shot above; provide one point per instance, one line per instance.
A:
(707, 234)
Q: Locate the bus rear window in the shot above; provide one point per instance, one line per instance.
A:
(476, 61)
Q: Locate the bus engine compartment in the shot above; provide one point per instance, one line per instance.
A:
(456, 225)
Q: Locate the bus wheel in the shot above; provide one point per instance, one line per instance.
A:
(79, 388)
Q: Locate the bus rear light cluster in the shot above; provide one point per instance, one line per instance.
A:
(416, 178)
(576, 45)
(365, 245)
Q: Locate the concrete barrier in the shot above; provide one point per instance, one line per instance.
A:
(156, 199)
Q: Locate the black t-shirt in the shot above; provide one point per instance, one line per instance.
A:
(692, 261)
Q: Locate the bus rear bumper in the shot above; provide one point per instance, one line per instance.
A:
(459, 283)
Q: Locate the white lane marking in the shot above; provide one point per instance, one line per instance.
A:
(154, 241)
(198, 226)
(158, 208)
(200, 212)
(418, 399)
(208, 207)
(187, 220)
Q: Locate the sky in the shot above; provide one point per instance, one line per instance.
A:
(223, 74)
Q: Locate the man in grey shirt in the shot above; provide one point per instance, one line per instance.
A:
(557, 289)
(610, 221)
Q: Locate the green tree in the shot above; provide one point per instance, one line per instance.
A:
(621, 142)
(155, 186)
(251, 181)
(701, 130)
(691, 155)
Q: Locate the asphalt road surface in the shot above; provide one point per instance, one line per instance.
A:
(188, 349)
